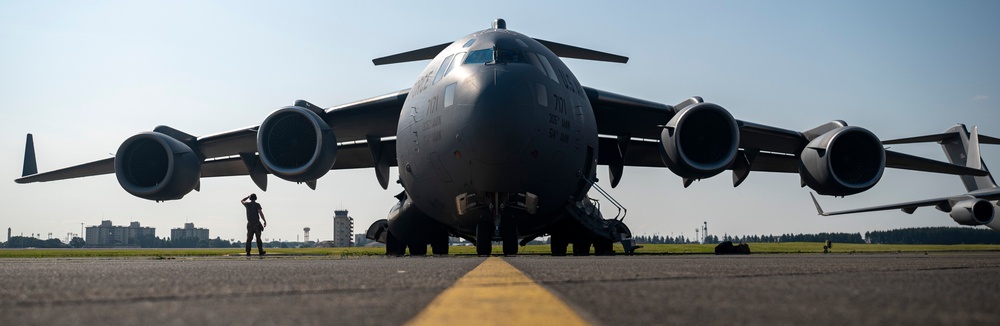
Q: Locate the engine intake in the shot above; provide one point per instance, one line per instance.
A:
(157, 167)
(972, 212)
(842, 162)
(700, 141)
(296, 144)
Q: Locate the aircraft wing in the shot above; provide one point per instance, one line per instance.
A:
(234, 152)
(909, 207)
(630, 130)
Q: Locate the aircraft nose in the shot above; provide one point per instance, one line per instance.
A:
(500, 123)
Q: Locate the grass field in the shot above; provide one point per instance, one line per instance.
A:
(649, 249)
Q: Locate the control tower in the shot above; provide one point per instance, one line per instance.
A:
(343, 229)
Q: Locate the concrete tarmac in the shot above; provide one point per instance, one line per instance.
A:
(860, 289)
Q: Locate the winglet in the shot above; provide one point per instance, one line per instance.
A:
(30, 167)
(819, 210)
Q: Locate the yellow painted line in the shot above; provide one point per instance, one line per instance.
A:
(496, 293)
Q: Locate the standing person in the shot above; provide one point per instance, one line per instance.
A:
(253, 222)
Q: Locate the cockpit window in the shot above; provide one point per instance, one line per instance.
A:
(534, 62)
(548, 68)
(510, 56)
(480, 56)
(502, 56)
(469, 43)
(445, 66)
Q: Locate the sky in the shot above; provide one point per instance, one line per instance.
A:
(83, 76)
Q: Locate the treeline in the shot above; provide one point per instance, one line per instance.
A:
(659, 239)
(149, 241)
(935, 235)
(819, 237)
(28, 242)
(926, 235)
(711, 239)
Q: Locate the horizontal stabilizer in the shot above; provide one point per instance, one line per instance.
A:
(415, 55)
(569, 51)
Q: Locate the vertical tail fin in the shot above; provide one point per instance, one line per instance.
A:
(30, 167)
(963, 149)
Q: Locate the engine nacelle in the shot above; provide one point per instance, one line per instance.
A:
(972, 212)
(296, 144)
(700, 141)
(842, 162)
(157, 167)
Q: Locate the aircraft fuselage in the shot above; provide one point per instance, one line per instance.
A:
(495, 114)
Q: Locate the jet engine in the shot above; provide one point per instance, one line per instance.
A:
(296, 144)
(700, 141)
(972, 212)
(842, 162)
(155, 166)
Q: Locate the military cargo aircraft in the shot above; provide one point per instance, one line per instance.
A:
(498, 141)
(972, 208)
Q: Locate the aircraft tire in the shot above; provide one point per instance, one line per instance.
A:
(508, 232)
(484, 238)
(418, 249)
(393, 246)
(581, 248)
(440, 245)
(604, 248)
(558, 245)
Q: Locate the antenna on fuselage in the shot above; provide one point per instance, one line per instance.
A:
(499, 23)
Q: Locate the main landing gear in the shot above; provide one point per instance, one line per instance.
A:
(585, 227)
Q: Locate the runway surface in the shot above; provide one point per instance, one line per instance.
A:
(865, 289)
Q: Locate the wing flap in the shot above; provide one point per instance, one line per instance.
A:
(774, 162)
(639, 153)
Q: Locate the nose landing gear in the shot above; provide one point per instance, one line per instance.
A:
(497, 226)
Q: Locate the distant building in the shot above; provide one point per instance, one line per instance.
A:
(107, 235)
(343, 229)
(189, 231)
